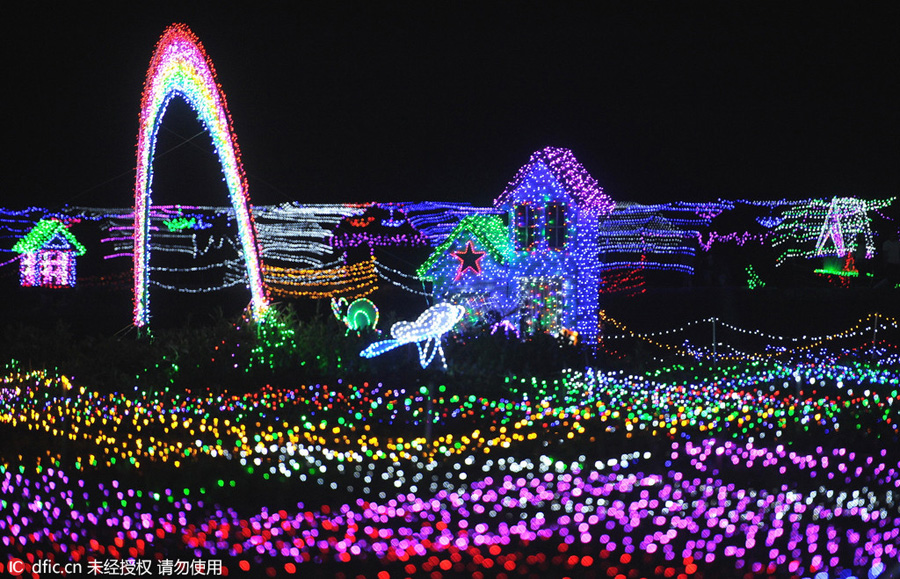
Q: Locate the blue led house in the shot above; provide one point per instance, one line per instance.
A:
(546, 278)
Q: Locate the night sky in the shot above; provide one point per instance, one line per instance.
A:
(349, 102)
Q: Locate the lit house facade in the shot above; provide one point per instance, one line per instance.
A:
(536, 264)
(47, 255)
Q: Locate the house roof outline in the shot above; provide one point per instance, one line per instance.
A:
(571, 175)
(44, 233)
(490, 232)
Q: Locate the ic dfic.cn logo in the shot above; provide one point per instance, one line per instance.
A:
(16, 567)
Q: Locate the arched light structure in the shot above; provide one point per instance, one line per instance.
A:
(181, 67)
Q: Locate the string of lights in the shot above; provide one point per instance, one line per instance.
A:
(864, 329)
(349, 281)
(383, 271)
(622, 281)
(291, 234)
(568, 173)
(359, 239)
(884, 322)
(633, 232)
(436, 220)
(738, 238)
(230, 264)
(753, 279)
(181, 289)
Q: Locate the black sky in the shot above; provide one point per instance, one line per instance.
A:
(341, 101)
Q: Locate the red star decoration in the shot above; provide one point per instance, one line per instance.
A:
(468, 259)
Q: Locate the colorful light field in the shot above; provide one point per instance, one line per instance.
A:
(782, 469)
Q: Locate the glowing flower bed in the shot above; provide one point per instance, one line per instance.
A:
(752, 470)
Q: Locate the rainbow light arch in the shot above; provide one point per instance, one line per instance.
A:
(181, 67)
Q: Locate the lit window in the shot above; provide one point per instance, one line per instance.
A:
(556, 225)
(525, 226)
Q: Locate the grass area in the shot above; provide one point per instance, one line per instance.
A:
(232, 354)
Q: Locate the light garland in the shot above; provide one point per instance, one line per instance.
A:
(651, 237)
(740, 239)
(436, 221)
(181, 67)
(235, 282)
(350, 281)
(383, 271)
(372, 229)
(865, 328)
(622, 281)
(358, 239)
(292, 234)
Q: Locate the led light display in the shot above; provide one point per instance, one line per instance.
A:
(426, 333)
(489, 233)
(358, 239)
(181, 67)
(47, 269)
(553, 194)
(47, 255)
(773, 346)
(826, 227)
(393, 221)
(757, 468)
(650, 237)
(769, 221)
(543, 269)
(379, 226)
(468, 260)
(569, 173)
(753, 279)
(49, 234)
(359, 315)
(485, 242)
(301, 245)
(349, 281)
(436, 221)
(295, 235)
(182, 222)
(409, 283)
(738, 238)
